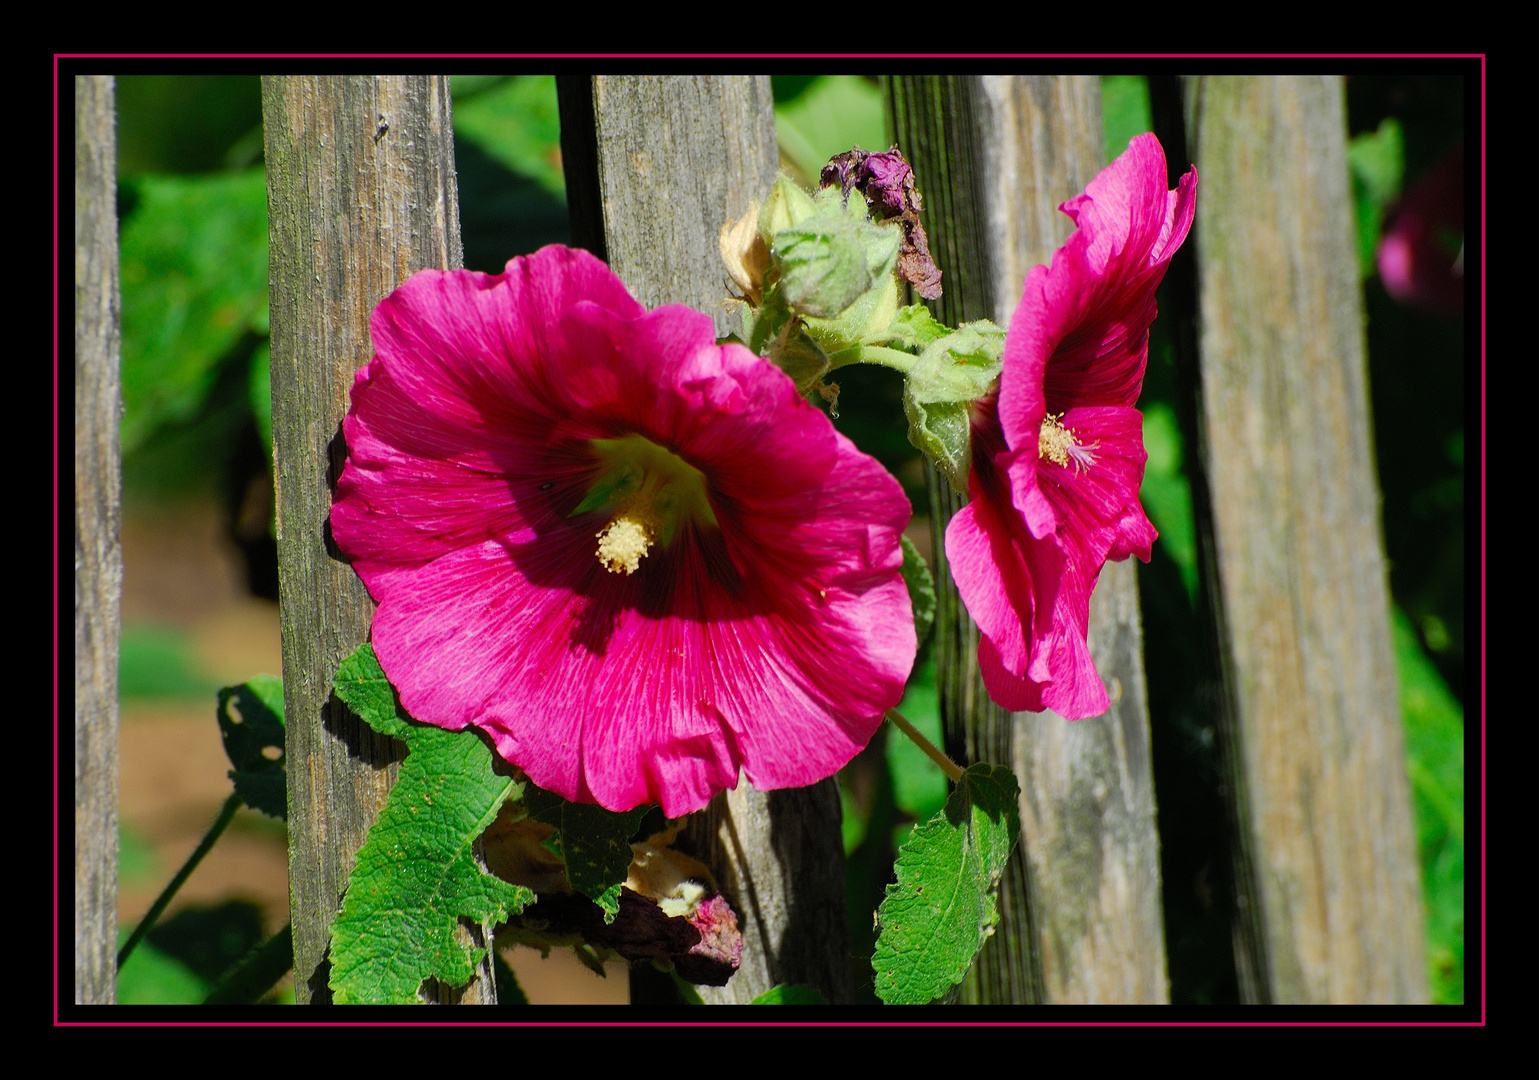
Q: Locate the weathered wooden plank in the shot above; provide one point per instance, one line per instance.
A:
(1080, 912)
(361, 195)
(672, 159)
(1328, 881)
(98, 551)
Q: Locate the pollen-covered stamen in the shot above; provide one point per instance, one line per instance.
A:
(628, 537)
(1057, 443)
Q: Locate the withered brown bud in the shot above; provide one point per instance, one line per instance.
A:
(887, 182)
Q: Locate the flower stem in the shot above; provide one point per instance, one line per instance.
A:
(146, 924)
(948, 766)
(873, 354)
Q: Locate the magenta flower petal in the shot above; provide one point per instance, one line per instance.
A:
(508, 432)
(1056, 469)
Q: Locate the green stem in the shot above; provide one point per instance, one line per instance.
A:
(687, 989)
(873, 354)
(146, 924)
(257, 973)
(948, 766)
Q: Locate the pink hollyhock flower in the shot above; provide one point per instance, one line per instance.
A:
(1057, 452)
(636, 559)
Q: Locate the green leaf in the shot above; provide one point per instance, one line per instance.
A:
(509, 992)
(822, 265)
(416, 877)
(921, 589)
(790, 995)
(194, 279)
(939, 912)
(596, 844)
(253, 741)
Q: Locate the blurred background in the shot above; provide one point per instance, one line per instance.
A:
(200, 562)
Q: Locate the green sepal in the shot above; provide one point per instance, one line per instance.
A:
(416, 875)
(959, 366)
(952, 370)
(942, 431)
(914, 327)
(921, 589)
(941, 909)
(822, 265)
(787, 206)
(261, 783)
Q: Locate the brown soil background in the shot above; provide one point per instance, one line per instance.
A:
(180, 572)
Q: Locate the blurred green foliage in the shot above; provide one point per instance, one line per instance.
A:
(1434, 737)
(919, 788)
(817, 117)
(1125, 110)
(137, 863)
(1167, 493)
(194, 279)
(514, 119)
(159, 662)
(150, 977)
(1377, 159)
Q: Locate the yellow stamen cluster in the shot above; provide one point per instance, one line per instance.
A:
(1058, 444)
(624, 541)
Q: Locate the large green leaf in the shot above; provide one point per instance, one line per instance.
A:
(941, 909)
(416, 877)
(194, 279)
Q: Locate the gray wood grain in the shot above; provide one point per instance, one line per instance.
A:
(361, 195)
(1329, 886)
(673, 158)
(98, 551)
(1080, 902)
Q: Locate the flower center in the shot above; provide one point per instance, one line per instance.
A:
(627, 538)
(646, 492)
(1057, 443)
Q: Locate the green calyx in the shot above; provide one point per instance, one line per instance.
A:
(829, 298)
(830, 285)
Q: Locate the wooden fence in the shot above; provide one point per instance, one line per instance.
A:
(362, 193)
